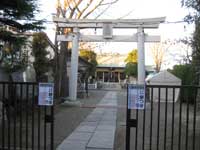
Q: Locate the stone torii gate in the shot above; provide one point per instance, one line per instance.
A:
(107, 25)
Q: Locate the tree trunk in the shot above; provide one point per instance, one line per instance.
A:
(64, 88)
(56, 68)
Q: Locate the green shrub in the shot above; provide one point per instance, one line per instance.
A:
(187, 74)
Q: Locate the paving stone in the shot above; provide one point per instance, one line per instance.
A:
(102, 140)
(109, 118)
(93, 119)
(80, 136)
(85, 128)
(99, 149)
(95, 115)
(108, 123)
(105, 128)
(72, 145)
(97, 132)
(89, 123)
(110, 113)
(98, 111)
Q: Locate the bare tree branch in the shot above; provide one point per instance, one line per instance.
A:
(110, 3)
(100, 4)
(77, 4)
(86, 7)
(94, 8)
(127, 14)
(158, 51)
(68, 4)
(101, 13)
(74, 8)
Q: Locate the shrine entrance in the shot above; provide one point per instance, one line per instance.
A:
(107, 26)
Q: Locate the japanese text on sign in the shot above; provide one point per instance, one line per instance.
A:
(136, 96)
(46, 94)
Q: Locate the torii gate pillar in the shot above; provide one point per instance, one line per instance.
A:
(107, 25)
(74, 65)
(141, 56)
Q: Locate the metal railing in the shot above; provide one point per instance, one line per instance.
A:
(24, 124)
(170, 120)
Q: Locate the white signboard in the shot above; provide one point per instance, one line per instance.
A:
(46, 94)
(136, 96)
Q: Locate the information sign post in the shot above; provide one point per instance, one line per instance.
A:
(136, 96)
(135, 100)
(45, 97)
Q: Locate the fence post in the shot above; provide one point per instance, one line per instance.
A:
(198, 99)
(128, 115)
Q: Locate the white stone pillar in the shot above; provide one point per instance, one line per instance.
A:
(74, 65)
(141, 56)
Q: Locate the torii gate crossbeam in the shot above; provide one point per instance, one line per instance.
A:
(75, 37)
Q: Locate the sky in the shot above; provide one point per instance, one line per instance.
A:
(135, 9)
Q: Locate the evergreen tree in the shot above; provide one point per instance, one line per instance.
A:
(194, 18)
(41, 62)
(131, 69)
(16, 17)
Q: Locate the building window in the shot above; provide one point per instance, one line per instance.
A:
(122, 76)
(100, 76)
(106, 76)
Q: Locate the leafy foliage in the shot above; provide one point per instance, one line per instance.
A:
(12, 58)
(91, 57)
(195, 43)
(186, 73)
(131, 69)
(16, 17)
(132, 56)
(131, 63)
(195, 5)
(13, 11)
(196, 47)
(40, 53)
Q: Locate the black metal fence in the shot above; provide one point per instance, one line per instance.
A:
(24, 124)
(170, 120)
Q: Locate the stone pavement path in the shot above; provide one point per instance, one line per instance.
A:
(97, 131)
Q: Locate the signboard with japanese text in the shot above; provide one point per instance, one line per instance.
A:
(136, 96)
(45, 97)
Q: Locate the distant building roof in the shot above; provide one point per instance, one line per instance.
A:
(111, 65)
(116, 60)
(163, 77)
(111, 60)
